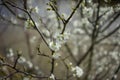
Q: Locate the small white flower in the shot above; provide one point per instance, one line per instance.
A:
(88, 11)
(37, 24)
(54, 46)
(70, 64)
(36, 9)
(46, 32)
(10, 54)
(77, 71)
(29, 64)
(61, 38)
(66, 35)
(21, 60)
(52, 77)
(56, 55)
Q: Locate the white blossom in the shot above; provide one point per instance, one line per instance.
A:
(88, 11)
(37, 24)
(62, 38)
(36, 9)
(21, 60)
(52, 77)
(54, 46)
(77, 71)
(56, 55)
(66, 35)
(59, 39)
(46, 32)
(29, 64)
(10, 54)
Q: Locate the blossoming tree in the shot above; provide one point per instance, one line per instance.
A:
(78, 40)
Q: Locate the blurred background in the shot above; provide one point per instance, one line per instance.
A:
(17, 35)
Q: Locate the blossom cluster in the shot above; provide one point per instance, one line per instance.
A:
(77, 71)
(58, 40)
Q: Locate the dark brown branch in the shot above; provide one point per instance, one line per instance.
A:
(21, 18)
(16, 61)
(36, 28)
(19, 71)
(52, 64)
(25, 4)
(72, 13)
